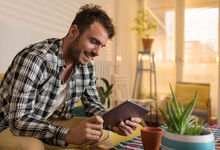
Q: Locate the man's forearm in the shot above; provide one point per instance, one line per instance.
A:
(49, 133)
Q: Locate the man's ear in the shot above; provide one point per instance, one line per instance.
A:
(73, 32)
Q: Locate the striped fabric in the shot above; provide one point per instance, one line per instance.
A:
(133, 144)
(136, 143)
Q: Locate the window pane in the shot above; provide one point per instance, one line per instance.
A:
(201, 43)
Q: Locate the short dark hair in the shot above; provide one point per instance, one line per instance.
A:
(90, 13)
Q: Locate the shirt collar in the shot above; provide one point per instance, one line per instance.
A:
(61, 61)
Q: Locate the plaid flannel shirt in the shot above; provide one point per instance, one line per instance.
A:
(30, 86)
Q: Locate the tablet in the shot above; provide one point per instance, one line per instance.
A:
(124, 111)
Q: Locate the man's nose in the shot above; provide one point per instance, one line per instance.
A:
(96, 51)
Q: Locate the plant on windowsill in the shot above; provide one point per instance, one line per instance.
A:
(104, 93)
(145, 26)
(183, 131)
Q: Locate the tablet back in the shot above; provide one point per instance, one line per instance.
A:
(124, 111)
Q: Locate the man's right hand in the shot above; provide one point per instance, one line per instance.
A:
(89, 129)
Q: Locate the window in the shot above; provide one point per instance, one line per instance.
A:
(200, 58)
(201, 44)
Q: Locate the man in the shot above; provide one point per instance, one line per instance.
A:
(45, 81)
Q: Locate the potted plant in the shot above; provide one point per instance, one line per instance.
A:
(145, 26)
(104, 94)
(183, 131)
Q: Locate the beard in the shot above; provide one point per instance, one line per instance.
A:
(78, 54)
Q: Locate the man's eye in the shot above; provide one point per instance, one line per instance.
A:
(93, 41)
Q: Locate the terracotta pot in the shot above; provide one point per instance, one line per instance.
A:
(151, 138)
(147, 44)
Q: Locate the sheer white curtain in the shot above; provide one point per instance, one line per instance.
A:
(200, 56)
(163, 46)
(201, 46)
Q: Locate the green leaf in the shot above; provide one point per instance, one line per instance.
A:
(175, 102)
(175, 116)
(109, 91)
(144, 24)
(108, 105)
(106, 82)
(182, 108)
(172, 121)
(188, 109)
(104, 94)
(100, 89)
(166, 119)
(102, 100)
(190, 122)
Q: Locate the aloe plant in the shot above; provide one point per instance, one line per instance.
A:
(179, 119)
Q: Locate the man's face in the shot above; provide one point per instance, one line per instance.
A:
(89, 44)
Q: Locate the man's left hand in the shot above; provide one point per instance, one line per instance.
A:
(127, 127)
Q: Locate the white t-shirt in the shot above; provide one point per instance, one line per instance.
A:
(61, 98)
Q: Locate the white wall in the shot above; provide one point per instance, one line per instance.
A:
(23, 22)
(126, 40)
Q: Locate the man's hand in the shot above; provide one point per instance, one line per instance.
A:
(127, 127)
(89, 129)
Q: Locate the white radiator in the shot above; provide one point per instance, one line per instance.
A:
(103, 69)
